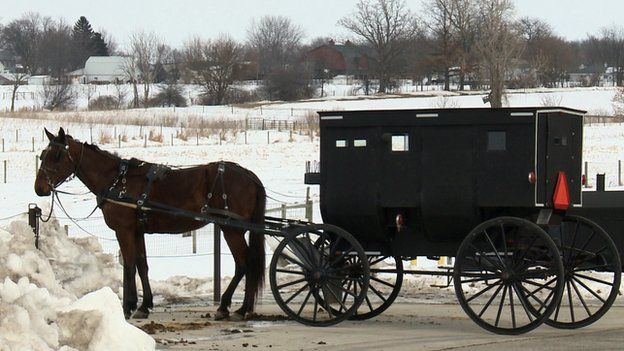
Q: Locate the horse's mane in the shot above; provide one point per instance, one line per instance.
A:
(133, 162)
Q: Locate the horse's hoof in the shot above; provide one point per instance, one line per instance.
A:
(237, 317)
(221, 315)
(127, 315)
(140, 314)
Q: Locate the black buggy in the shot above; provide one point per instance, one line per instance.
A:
(498, 189)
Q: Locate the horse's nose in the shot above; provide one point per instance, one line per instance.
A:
(42, 190)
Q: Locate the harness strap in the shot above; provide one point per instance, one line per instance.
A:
(218, 178)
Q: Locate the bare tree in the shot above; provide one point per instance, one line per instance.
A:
(464, 17)
(386, 25)
(131, 71)
(608, 48)
(145, 51)
(59, 95)
(276, 41)
(213, 64)
(20, 39)
(440, 26)
(497, 45)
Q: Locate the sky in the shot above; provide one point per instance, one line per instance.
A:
(176, 21)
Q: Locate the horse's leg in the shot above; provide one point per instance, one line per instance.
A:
(127, 245)
(236, 242)
(148, 301)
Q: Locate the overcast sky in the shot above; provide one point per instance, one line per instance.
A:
(177, 20)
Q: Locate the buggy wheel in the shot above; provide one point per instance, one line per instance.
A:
(591, 262)
(386, 278)
(508, 275)
(310, 288)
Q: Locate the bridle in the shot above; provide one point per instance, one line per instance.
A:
(50, 172)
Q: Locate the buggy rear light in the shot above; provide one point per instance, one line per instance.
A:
(583, 180)
(561, 198)
(532, 178)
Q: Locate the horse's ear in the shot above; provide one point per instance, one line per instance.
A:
(62, 136)
(48, 134)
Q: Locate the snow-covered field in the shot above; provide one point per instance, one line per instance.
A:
(46, 296)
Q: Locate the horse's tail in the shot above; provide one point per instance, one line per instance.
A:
(256, 257)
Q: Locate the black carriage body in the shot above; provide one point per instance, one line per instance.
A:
(442, 171)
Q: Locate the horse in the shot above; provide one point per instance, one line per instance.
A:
(125, 190)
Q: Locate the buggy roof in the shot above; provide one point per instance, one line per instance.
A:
(433, 117)
(451, 111)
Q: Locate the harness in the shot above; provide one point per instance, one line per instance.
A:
(117, 194)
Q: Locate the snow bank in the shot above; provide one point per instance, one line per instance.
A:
(96, 322)
(42, 306)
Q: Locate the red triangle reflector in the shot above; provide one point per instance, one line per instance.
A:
(561, 198)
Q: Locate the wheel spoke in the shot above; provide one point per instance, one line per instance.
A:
(500, 306)
(488, 288)
(287, 271)
(590, 290)
(374, 262)
(523, 302)
(487, 236)
(342, 305)
(382, 282)
(485, 257)
(296, 294)
(571, 305)
(342, 288)
(377, 292)
(578, 293)
(291, 283)
(593, 279)
(511, 304)
(521, 258)
(491, 299)
(294, 261)
(305, 301)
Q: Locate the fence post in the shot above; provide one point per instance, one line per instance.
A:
(36, 165)
(283, 211)
(33, 144)
(91, 134)
(34, 213)
(586, 176)
(145, 140)
(5, 171)
(216, 284)
(119, 141)
(308, 208)
(620, 172)
(245, 137)
(268, 138)
(194, 235)
(17, 136)
(2, 144)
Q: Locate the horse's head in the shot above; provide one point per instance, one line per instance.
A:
(56, 163)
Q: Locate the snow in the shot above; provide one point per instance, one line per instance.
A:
(43, 305)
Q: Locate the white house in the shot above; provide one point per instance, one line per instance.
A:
(39, 80)
(104, 69)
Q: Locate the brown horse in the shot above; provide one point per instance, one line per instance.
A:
(125, 190)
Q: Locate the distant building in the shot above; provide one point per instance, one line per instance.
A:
(333, 59)
(102, 69)
(592, 75)
(39, 80)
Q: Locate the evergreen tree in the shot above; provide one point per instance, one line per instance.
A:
(99, 45)
(86, 42)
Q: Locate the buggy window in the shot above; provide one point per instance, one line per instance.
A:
(496, 141)
(400, 142)
(341, 143)
(359, 143)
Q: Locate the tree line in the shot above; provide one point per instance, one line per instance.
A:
(479, 44)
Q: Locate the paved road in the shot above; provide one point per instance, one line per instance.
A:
(405, 326)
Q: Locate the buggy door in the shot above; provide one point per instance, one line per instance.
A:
(559, 139)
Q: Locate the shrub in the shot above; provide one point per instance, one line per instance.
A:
(104, 103)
